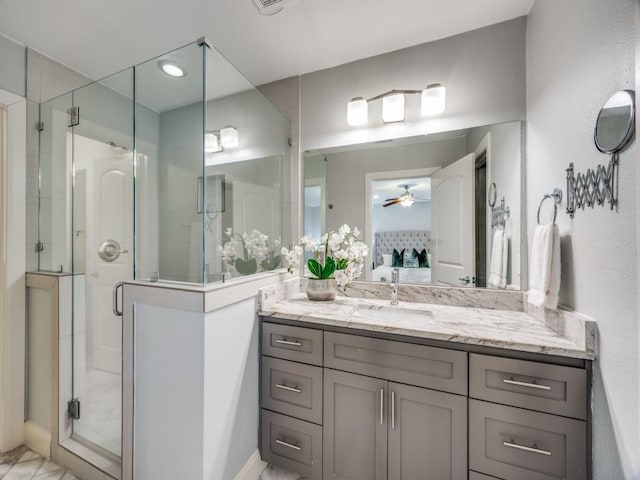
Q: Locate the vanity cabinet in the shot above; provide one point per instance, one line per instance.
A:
(339, 406)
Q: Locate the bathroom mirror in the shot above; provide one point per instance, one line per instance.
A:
(428, 193)
(615, 123)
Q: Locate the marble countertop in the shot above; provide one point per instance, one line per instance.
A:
(476, 326)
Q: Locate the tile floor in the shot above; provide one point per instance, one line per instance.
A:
(24, 464)
(277, 473)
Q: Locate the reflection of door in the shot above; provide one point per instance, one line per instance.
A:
(109, 209)
(452, 194)
(256, 207)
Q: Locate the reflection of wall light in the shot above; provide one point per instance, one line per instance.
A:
(433, 99)
(357, 112)
(229, 137)
(212, 143)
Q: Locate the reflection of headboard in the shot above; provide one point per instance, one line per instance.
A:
(387, 241)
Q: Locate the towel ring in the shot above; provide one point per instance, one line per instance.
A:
(556, 195)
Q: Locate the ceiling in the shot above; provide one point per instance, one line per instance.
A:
(98, 38)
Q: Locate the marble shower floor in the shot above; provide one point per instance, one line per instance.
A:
(24, 464)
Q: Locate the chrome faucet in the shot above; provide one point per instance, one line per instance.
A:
(395, 279)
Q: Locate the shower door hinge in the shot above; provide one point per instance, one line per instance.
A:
(73, 409)
(74, 116)
(39, 247)
(40, 126)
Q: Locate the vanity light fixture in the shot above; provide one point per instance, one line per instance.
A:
(229, 137)
(357, 111)
(172, 69)
(393, 108)
(393, 103)
(433, 99)
(212, 142)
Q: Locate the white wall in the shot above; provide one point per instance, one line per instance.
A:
(578, 53)
(231, 406)
(483, 71)
(389, 219)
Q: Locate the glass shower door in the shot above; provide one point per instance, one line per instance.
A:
(103, 251)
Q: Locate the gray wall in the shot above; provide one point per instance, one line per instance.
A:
(578, 53)
(346, 173)
(483, 71)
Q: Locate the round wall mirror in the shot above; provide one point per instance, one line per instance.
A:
(615, 124)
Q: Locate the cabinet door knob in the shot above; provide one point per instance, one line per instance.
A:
(393, 410)
(381, 406)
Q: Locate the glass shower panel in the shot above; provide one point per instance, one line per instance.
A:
(103, 253)
(169, 143)
(247, 142)
(54, 169)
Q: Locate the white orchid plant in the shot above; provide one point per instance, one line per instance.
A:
(342, 251)
(247, 253)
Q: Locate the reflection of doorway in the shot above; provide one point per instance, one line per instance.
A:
(314, 207)
(392, 178)
(481, 219)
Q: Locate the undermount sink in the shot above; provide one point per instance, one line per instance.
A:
(365, 310)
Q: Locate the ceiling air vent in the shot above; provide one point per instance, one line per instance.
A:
(270, 7)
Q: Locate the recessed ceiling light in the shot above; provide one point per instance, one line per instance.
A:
(172, 69)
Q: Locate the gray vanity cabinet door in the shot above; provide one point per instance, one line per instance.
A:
(427, 434)
(355, 427)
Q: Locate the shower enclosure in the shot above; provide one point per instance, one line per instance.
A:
(169, 171)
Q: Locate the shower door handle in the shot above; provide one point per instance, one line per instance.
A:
(116, 312)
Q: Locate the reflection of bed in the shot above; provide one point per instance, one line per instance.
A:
(385, 242)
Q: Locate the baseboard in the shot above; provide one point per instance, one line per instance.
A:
(253, 468)
(38, 439)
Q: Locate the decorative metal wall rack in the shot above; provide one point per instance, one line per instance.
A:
(500, 213)
(595, 187)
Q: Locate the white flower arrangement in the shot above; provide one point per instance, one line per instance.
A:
(247, 253)
(343, 250)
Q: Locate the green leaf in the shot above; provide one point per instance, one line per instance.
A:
(329, 268)
(314, 267)
(270, 263)
(246, 267)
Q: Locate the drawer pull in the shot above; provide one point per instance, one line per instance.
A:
(393, 410)
(288, 445)
(288, 389)
(511, 381)
(381, 406)
(289, 342)
(511, 444)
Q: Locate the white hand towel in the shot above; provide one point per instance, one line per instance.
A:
(544, 274)
(499, 260)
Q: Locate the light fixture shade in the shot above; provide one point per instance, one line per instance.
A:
(393, 108)
(433, 99)
(172, 68)
(407, 202)
(211, 143)
(357, 112)
(229, 137)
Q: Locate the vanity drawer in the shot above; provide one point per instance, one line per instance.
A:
(292, 444)
(419, 365)
(292, 388)
(517, 444)
(292, 343)
(537, 386)
(480, 476)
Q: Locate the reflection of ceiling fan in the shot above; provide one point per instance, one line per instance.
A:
(406, 199)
